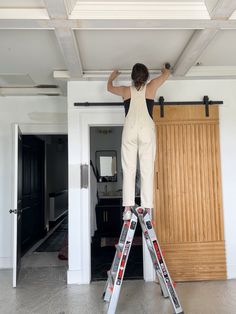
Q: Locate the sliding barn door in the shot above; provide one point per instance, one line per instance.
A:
(188, 201)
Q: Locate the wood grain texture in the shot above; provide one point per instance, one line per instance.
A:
(188, 210)
(195, 261)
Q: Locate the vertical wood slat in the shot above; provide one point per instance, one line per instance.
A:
(188, 208)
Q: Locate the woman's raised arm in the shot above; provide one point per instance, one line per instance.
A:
(117, 90)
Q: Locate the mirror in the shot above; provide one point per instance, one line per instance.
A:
(106, 165)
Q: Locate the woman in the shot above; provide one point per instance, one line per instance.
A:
(139, 133)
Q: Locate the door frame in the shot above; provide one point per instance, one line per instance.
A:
(79, 122)
(29, 129)
(17, 218)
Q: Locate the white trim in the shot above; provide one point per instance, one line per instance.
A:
(19, 13)
(195, 73)
(26, 128)
(16, 131)
(61, 75)
(139, 10)
(79, 122)
(41, 128)
(74, 277)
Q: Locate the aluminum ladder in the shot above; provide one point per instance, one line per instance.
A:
(116, 273)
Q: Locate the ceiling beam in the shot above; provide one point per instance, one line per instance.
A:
(67, 42)
(116, 24)
(197, 44)
(223, 9)
(70, 4)
(56, 9)
(65, 37)
(200, 40)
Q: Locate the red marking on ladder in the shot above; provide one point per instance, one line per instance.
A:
(157, 250)
(174, 284)
(120, 273)
(122, 263)
(127, 223)
(119, 253)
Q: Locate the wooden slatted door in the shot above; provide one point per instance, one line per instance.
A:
(188, 203)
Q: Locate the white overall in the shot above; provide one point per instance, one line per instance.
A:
(139, 136)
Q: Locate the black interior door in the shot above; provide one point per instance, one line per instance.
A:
(32, 228)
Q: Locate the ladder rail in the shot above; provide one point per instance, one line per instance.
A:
(151, 238)
(122, 262)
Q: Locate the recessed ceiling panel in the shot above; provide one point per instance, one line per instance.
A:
(29, 51)
(221, 51)
(22, 4)
(106, 50)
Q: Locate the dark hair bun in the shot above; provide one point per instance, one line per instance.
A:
(139, 75)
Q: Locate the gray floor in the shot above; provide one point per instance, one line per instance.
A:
(44, 290)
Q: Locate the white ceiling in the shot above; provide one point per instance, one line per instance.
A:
(221, 51)
(106, 50)
(30, 52)
(40, 44)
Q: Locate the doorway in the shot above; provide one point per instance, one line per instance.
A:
(106, 204)
(44, 229)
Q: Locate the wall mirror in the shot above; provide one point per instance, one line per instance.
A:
(106, 165)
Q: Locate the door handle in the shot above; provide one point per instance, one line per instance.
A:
(15, 211)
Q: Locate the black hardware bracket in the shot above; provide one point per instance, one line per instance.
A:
(161, 103)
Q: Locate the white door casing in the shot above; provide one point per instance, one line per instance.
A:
(79, 122)
(16, 200)
(19, 129)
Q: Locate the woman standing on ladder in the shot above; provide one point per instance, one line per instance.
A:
(139, 133)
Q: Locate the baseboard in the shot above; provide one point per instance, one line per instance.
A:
(5, 262)
(76, 277)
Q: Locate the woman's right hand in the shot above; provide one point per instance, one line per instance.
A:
(114, 75)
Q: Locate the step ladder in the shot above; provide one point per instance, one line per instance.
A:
(116, 273)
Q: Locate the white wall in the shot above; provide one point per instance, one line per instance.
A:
(35, 115)
(172, 91)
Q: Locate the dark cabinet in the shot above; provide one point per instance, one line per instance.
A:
(109, 212)
(109, 217)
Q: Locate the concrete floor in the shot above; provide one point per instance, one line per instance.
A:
(44, 291)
